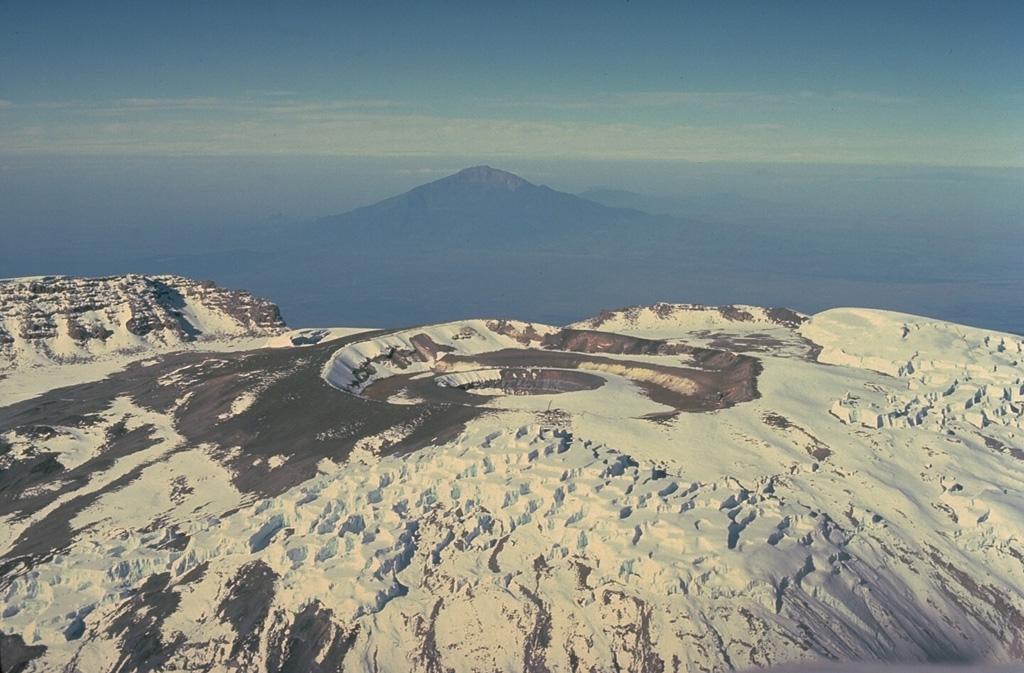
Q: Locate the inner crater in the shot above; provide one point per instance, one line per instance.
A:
(520, 381)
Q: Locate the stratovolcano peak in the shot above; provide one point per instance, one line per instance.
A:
(488, 177)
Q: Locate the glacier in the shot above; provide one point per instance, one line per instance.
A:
(661, 488)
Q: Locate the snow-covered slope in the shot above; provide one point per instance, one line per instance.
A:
(664, 489)
(954, 375)
(739, 328)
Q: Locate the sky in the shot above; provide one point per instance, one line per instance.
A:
(879, 83)
(901, 121)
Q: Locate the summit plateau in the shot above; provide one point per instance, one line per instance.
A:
(185, 484)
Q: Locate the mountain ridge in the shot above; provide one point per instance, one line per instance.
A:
(721, 206)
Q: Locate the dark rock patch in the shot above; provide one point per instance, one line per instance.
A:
(785, 317)
(297, 414)
(999, 447)
(539, 638)
(429, 657)
(524, 381)
(735, 314)
(139, 624)
(25, 474)
(815, 448)
(247, 606)
(15, 655)
(312, 631)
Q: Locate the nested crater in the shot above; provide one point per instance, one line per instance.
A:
(520, 381)
(473, 362)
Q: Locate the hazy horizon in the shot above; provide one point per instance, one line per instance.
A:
(936, 255)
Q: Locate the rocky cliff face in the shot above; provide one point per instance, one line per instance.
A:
(64, 320)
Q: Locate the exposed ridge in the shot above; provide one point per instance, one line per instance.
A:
(64, 319)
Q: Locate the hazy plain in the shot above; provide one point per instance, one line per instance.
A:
(942, 243)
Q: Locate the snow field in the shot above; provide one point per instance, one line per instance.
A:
(852, 511)
(944, 376)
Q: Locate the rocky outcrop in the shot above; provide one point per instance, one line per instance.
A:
(693, 316)
(62, 319)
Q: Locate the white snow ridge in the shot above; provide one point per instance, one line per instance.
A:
(666, 488)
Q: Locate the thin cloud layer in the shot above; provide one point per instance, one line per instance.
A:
(651, 126)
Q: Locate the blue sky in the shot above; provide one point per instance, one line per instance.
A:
(929, 83)
(902, 120)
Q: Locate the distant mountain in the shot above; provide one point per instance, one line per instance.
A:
(726, 205)
(482, 240)
(475, 189)
(483, 190)
(487, 204)
(487, 242)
